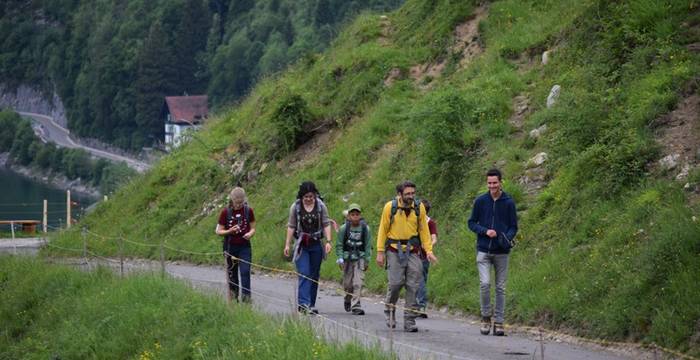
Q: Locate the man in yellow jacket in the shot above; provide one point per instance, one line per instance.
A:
(403, 230)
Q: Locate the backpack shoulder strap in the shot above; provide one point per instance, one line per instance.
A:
(246, 213)
(394, 208)
(229, 215)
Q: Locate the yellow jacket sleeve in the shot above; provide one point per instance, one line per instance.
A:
(425, 239)
(383, 227)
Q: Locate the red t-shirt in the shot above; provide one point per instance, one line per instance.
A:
(432, 226)
(237, 218)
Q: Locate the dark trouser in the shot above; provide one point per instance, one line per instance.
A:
(309, 265)
(233, 267)
(422, 295)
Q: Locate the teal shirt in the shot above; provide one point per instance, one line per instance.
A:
(354, 235)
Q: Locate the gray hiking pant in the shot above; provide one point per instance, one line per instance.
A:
(409, 274)
(499, 262)
(353, 277)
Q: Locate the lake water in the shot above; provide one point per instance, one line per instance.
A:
(22, 199)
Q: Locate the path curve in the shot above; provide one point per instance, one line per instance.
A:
(52, 131)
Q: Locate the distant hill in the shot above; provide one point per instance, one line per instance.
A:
(112, 62)
(603, 166)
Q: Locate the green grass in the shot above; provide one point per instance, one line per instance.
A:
(50, 311)
(581, 263)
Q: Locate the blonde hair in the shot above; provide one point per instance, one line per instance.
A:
(238, 194)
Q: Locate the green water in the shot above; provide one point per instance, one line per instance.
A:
(22, 199)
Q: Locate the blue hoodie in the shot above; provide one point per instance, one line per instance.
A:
(498, 215)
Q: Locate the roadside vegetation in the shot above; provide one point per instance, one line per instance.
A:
(52, 311)
(18, 139)
(608, 248)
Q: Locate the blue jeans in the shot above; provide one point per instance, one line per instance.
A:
(422, 294)
(499, 262)
(233, 267)
(309, 265)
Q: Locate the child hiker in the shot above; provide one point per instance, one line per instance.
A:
(353, 248)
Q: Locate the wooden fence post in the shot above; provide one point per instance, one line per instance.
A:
(68, 217)
(45, 221)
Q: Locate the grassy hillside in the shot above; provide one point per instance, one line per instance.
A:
(49, 311)
(608, 246)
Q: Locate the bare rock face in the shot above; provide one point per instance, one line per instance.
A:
(537, 133)
(27, 99)
(538, 159)
(553, 96)
(669, 162)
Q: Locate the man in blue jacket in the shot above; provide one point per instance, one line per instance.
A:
(495, 223)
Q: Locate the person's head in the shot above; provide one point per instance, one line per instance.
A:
(426, 205)
(493, 181)
(307, 192)
(354, 214)
(407, 191)
(237, 198)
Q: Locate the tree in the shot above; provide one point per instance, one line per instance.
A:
(154, 80)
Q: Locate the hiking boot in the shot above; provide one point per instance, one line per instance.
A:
(498, 329)
(485, 325)
(246, 299)
(410, 327)
(358, 311)
(422, 313)
(347, 305)
(303, 309)
(314, 311)
(390, 319)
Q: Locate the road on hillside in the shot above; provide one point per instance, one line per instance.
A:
(441, 336)
(52, 131)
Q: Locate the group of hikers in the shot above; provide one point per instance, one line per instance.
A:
(404, 247)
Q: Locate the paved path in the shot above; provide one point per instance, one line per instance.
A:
(59, 135)
(441, 336)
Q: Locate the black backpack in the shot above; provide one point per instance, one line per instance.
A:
(363, 238)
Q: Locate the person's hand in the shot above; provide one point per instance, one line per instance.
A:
(248, 235)
(340, 263)
(491, 233)
(365, 265)
(286, 250)
(328, 247)
(380, 259)
(431, 257)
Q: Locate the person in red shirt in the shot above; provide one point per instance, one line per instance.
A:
(237, 225)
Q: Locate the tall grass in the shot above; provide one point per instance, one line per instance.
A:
(50, 311)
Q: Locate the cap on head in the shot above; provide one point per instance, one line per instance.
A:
(354, 207)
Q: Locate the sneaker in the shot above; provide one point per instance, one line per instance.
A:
(303, 309)
(358, 311)
(347, 305)
(410, 327)
(498, 329)
(485, 325)
(390, 319)
(314, 310)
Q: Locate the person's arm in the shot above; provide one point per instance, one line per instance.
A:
(425, 236)
(474, 220)
(291, 229)
(339, 242)
(513, 223)
(251, 225)
(326, 228)
(432, 226)
(382, 233)
(220, 227)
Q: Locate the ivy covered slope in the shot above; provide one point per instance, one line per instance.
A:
(440, 91)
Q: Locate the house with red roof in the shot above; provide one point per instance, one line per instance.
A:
(182, 114)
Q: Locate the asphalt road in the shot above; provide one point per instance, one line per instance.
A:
(441, 336)
(52, 131)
